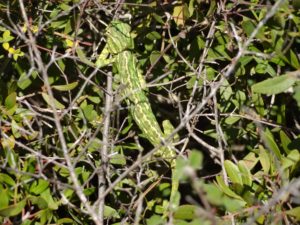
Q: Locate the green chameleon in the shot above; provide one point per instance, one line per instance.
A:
(120, 49)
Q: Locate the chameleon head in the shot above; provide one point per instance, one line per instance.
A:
(118, 37)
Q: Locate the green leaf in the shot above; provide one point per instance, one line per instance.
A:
(110, 212)
(245, 173)
(66, 87)
(45, 216)
(291, 159)
(15, 128)
(230, 120)
(65, 221)
(39, 186)
(13, 210)
(49, 100)
(83, 58)
(233, 172)
(24, 81)
(294, 59)
(153, 35)
(181, 164)
(4, 178)
(213, 193)
(250, 160)
(264, 159)
(259, 103)
(89, 112)
(39, 201)
(296, 94)
(226, 190)
(234, 205)
(26, 222)
(221, 49)
(248, 26)
(155, 220)
(118, 159)
(154, 56)
(5, 196)
(186, 212)
(94, 99)
(9, 143)
(285, 141)
(64, 7)
(195, 159)
(11, 100)
(274, 85)
(6, 37)
(179, 14)
(295, 212)
(89, 191)
(226, 90)
(5, 45)
(270, 142)
(47, 196)
(191, 7)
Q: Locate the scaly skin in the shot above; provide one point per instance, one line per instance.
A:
(120, 45)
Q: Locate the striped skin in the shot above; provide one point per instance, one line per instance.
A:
(118, 37)
(139, 104)
(120, 45)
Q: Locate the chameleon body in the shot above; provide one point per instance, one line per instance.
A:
(120, 47)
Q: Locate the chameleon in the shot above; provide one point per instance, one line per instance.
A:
(119, 51)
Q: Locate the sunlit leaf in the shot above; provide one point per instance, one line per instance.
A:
(4, 200)
(65, 221)
(154, 56)
(291, 159)
(274, 85)
(5, 45)
(39, 186)
(118, 159)
(153, 35)
(69, 43)
(66, 87)
(155, 220)
(224, 188)
(296, 95)
(195, 159)
(39, 201)
(11, 100)
(264, 159)
(83, 58)
(24, 81)
(231, 120)
(4, 178)
(245, 173)
(89, 112)
(295, 212)
(233, 172)
(8, 143)
(271, 143)
(6, 36)
(47, 196)
(186, 212)
(110, 212)
(13, 210)
(180, 13)
(53, 101)
(285, 141)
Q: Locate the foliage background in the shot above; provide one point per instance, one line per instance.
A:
(225, 73)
